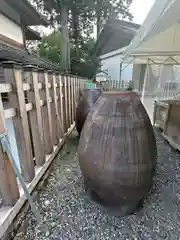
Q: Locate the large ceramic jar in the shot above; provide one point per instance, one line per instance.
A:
(87, 99)
(117, 151)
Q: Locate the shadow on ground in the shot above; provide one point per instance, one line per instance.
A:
(68, 214)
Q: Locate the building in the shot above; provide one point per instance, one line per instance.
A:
(112, 42)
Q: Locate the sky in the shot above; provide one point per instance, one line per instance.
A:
(140, 9)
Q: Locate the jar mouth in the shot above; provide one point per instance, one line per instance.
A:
(128, 93)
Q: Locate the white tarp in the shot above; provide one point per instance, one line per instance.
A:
(157, 41)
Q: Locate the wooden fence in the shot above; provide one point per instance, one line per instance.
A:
(42, 106)
(117, 85)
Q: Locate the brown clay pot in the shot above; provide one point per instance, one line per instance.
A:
(117, 151)
(87, 99)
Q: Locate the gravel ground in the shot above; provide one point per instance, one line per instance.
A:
(68, 214)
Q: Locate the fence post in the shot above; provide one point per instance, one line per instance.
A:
(14, 75)
(67, 100)
(72, 102)
(73, 99)
(35, 115)
(48, 146)
(57, 89)
(8, 184)
(64, 106)
(70, 99)
(51, 108)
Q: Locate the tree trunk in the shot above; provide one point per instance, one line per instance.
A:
(98, 25)
(65, 44)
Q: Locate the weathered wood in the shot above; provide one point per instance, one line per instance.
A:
(66, 100)
(73, 99)
(63, 101)
(172, 127)
(8, 184)
(167, 119)
(34, 114)
(5, 88)
(8, 216)
(58, 104)
(13, 75)
(70, 100)
(52, 109)
(56, 98)
(48, 146)
(160, 115)
(172, 143)
(76, 92)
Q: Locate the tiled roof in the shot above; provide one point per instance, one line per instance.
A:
(29, 15)
(21, 56)
(116, 34)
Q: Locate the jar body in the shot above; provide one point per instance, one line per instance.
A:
(117, 149)
(87, 99)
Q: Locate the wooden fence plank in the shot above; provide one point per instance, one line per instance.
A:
(66, 100)
(34, 115)
(48, 146)
(13, 75)
(58, 104)
(54, 122)
(73, 100)
(76, 92)
(70, 100)
(8, 184)
(63, 103)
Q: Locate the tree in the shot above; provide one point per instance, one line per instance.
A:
(77, 17)
(49, 47)
(83, 64)
(86, 63)
(104, 9)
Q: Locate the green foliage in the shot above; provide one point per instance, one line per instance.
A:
(83, 63)
(81, 16)
(49, 47)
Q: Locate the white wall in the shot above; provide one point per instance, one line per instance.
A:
(112, 66)
(10, 29)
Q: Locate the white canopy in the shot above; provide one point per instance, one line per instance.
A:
(158, 39)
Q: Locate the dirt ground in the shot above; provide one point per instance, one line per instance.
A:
(67, 213)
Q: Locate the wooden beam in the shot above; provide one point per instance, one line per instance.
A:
(35, 116)
(58, 104)
(63, 103)
(29, 107)
(8, 215)
(13, 75)
(48, 146)
(66, 85)
(26, 87)
(5, 88)
(8, 184)
(73, 99)
(70, 100)
(52, 111)
(9, 113)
